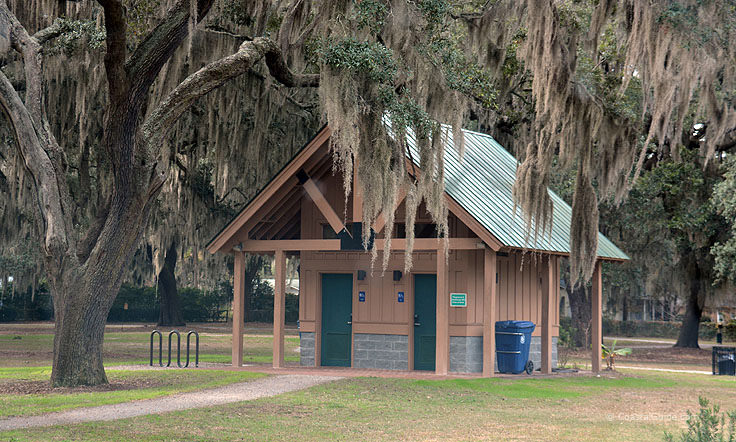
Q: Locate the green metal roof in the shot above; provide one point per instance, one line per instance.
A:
(482, 184)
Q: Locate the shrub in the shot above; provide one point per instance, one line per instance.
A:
(709, 425)
(729, 331)
(142, 305)
(261, 304)
(206, 305)
(20, 306)
(566, 332)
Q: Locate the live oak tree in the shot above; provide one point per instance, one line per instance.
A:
(85, 269)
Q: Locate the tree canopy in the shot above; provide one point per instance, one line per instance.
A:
(116, 110)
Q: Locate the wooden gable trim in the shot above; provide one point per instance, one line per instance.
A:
(472, 223)
(224, 237)
(230, 232)
(323, 205)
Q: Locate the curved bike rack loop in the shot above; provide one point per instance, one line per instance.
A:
(178, 349)
(160, 349)
(196, 348)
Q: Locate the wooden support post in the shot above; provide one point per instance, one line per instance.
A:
(279, 310)
(489, 312)
(238, 308)
(442, 343)
(596, 318)
(549, 279)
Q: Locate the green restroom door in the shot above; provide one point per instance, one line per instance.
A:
(337, 309)
(425, 321)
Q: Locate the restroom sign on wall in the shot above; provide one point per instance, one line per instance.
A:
(458, 299)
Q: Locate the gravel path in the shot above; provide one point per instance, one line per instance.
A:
(244, 391)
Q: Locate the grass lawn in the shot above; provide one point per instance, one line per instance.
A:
(25, 358)
(638, 406)
(134, 385)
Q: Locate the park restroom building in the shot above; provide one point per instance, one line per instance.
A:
(440, 316)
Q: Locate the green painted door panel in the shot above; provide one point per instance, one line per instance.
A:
(337, 309)
(425, 315)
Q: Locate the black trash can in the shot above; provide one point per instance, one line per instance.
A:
(724, 361)
(513, 339)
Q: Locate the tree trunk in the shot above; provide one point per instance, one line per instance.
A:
(81, 305)
(688, 337)
(170, 313)
(580, 310)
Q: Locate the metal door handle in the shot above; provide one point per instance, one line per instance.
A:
(416, 321)
(350, 322)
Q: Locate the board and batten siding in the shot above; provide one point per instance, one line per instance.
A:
(519, 290)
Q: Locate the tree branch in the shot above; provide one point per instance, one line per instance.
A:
(157, 48)
(215, 75)
(287, 26)
(40, 167)
(115, 28)
(42, 156)
(29, 49)
(49, 33)
(218, 30)
(281, 72)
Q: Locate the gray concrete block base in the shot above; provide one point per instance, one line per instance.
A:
(385, 352)
(306, 349)
(466, 353)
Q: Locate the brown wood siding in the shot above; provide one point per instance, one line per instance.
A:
(518, 291)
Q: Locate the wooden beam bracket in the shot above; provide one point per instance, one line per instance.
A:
(321, 202)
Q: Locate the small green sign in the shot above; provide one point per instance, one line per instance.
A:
(458, 299)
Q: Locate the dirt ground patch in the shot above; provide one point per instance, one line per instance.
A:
(671, 355)
(44, 387)
(658, 355)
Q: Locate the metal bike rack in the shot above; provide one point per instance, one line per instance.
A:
(160, 349)
(196, 348)
(178, 348)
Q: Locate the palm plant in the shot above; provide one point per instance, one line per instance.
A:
(609, 354)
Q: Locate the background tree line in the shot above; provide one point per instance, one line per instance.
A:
(143, 304)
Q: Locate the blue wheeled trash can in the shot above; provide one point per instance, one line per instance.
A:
(513, 339)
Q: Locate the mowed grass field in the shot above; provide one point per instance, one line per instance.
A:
(26, 354)
(630, 405)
